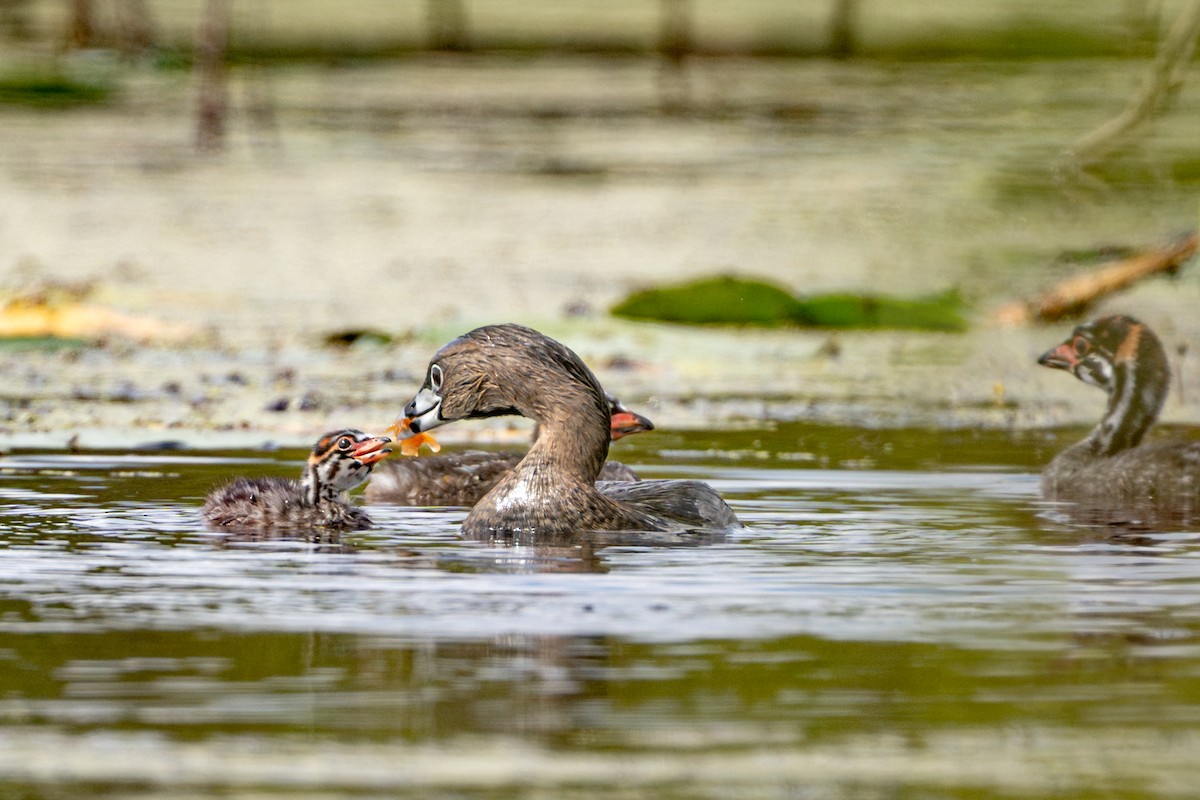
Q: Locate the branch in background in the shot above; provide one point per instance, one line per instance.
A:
(81, 29)
(842, 27)
(137, 29)
(212, 38)
(15, 23)
(447, 26)
(1155, 94)
(1074, 295)
(675, 44)
(63, 311)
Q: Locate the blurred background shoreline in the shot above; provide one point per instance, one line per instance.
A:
(370, 199)
(312, 30)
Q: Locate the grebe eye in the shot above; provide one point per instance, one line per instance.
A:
(1081, 346)
(345, 443)
(435, 378)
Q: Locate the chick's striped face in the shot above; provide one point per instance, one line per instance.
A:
(344, 459)
(1094, 349)
(340, 442)
(1093, 363)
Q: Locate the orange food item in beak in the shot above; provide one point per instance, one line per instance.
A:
(412, 446)
(410, 443)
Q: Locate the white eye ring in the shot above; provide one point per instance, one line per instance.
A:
(345, 443)
(435, 378)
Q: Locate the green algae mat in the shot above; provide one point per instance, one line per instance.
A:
(727, 300)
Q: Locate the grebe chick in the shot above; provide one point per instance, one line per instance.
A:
(339, 461)
(1111, 471)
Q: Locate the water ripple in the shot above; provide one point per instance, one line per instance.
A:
(961, 558)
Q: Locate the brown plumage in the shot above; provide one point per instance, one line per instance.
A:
(1111, 472)
(340, 461)
(552, 491)
(461, 479)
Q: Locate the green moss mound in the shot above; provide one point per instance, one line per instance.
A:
(941, 312)
(739, 301)
(712, 301)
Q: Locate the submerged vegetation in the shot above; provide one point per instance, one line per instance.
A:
(48, 88)
(10, 344)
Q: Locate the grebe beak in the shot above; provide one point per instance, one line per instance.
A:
(626, 423)
(424, 411)
(1061, 357)
(371, 451)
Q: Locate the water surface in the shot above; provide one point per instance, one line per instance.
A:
(901, 617)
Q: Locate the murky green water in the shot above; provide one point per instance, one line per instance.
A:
(901, 618)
